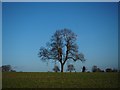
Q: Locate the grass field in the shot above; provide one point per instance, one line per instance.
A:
(59, 80)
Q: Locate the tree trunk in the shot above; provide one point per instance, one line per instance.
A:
(62, 67)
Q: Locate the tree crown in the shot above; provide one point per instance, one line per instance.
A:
(62, 47)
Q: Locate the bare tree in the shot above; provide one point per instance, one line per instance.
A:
(62, 47)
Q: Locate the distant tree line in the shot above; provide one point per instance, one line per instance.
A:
(71, 68)
(96, 69)
(7, 68)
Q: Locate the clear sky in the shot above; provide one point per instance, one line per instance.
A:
(28, 26)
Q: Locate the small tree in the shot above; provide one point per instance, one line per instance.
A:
(83, 69)
(61, 48)
(13, 70)
(70, 68)
(108, 70)
(56, 68)
(94, 68)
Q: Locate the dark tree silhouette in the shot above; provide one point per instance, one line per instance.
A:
(70, 68)
(83, 69)
(62, 47)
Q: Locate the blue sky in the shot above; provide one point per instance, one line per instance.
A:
(28, 26)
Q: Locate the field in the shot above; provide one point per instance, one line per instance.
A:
(59, 80)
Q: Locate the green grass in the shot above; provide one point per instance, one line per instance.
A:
(59, 80)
